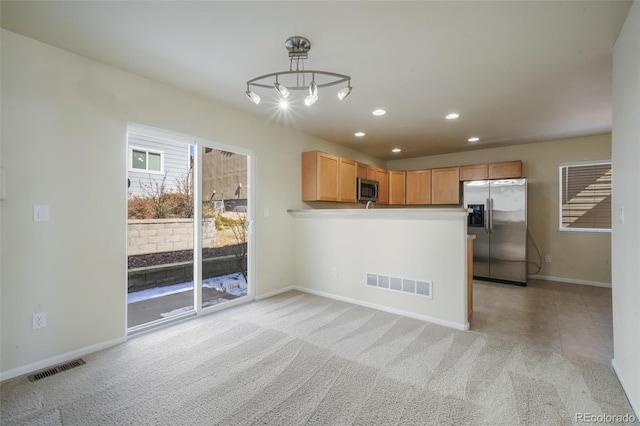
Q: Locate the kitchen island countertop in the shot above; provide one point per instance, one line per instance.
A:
(380, 213)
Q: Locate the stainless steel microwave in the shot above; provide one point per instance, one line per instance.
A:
(367, 190)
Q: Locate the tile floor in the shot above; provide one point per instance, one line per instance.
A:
(572, 319)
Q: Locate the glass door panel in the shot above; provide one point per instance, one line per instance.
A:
(160, 230)
(225, 231)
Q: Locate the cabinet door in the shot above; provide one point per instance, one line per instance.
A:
(397, 185)
(445, 185)
(327, 177)
(319, 176)
(347, 178)
(371, 173)
(475, 172)
(505, 170)
(382, 176)
(419, 187)
(362, 170)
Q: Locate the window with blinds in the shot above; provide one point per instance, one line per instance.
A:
(585, 196)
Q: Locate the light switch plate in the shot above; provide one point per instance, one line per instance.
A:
(40, 213)
(3, 184)
(621, 215)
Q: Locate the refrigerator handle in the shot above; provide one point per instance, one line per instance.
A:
(491, 215)
(487, 212)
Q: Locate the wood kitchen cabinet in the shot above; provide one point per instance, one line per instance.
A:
(418, 189)
(474, 172)
(320, 176)
(397, 186)
(362, 170)
(372, 173)
(347, 180)
(382, 176)
(366, 171)
(505, 170)
(445, 185)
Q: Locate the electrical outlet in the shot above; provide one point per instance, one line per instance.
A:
(547, 259)
(334, 272)
(39, 320)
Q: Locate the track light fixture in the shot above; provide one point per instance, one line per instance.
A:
(297, 78)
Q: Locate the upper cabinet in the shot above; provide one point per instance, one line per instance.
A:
(418, 190)
(503, 170)
(445, 185)
(347, 180)
(327, 177)
(366, 171)
(382, 176)
(475, 172)
(397, 186)
(320, 176)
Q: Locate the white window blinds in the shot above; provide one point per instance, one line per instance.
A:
(585, 196)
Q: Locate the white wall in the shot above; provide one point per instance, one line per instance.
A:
(428, 246)
(626, 194)
(582, 257)
(64, 121)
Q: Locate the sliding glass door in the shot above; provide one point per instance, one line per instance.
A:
(225, 194)
(189, 239)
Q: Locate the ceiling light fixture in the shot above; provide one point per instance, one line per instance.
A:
(452, 116)
(396, 150)
(297, 78)
(359, 134)
(379, 112)
(474, 139)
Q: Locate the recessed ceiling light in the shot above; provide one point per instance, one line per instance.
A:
(452, 116)
(379, 112)
(359, 134)
(396, 150)
(474, 139)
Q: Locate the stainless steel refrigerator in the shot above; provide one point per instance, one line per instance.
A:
(498, 219)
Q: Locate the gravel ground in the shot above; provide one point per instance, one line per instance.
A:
(154, 259)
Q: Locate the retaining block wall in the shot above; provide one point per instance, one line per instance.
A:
(161, 235)
(158, 276)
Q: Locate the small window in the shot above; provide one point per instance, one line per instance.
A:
(585, 196)
(144, 160)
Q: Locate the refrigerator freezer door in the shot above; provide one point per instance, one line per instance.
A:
(477, 192)
(509, 230)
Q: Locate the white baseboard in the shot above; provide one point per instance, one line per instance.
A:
(570, 280)
(450, 324)
(59, 359)
(275, 292)
(630, 396)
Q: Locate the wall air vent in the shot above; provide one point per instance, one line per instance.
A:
(403, 285)
(55, 370)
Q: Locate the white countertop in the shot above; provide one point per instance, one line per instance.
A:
(385, 213)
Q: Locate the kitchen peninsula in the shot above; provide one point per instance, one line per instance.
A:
(408, 261)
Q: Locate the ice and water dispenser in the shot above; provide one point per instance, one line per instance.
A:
(476, 215)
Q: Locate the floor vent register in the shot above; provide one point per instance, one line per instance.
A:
(55, 370)
(403, 285)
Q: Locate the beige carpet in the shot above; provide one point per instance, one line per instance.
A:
(302, 359)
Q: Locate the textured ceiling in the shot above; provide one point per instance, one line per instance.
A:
(516, 72)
